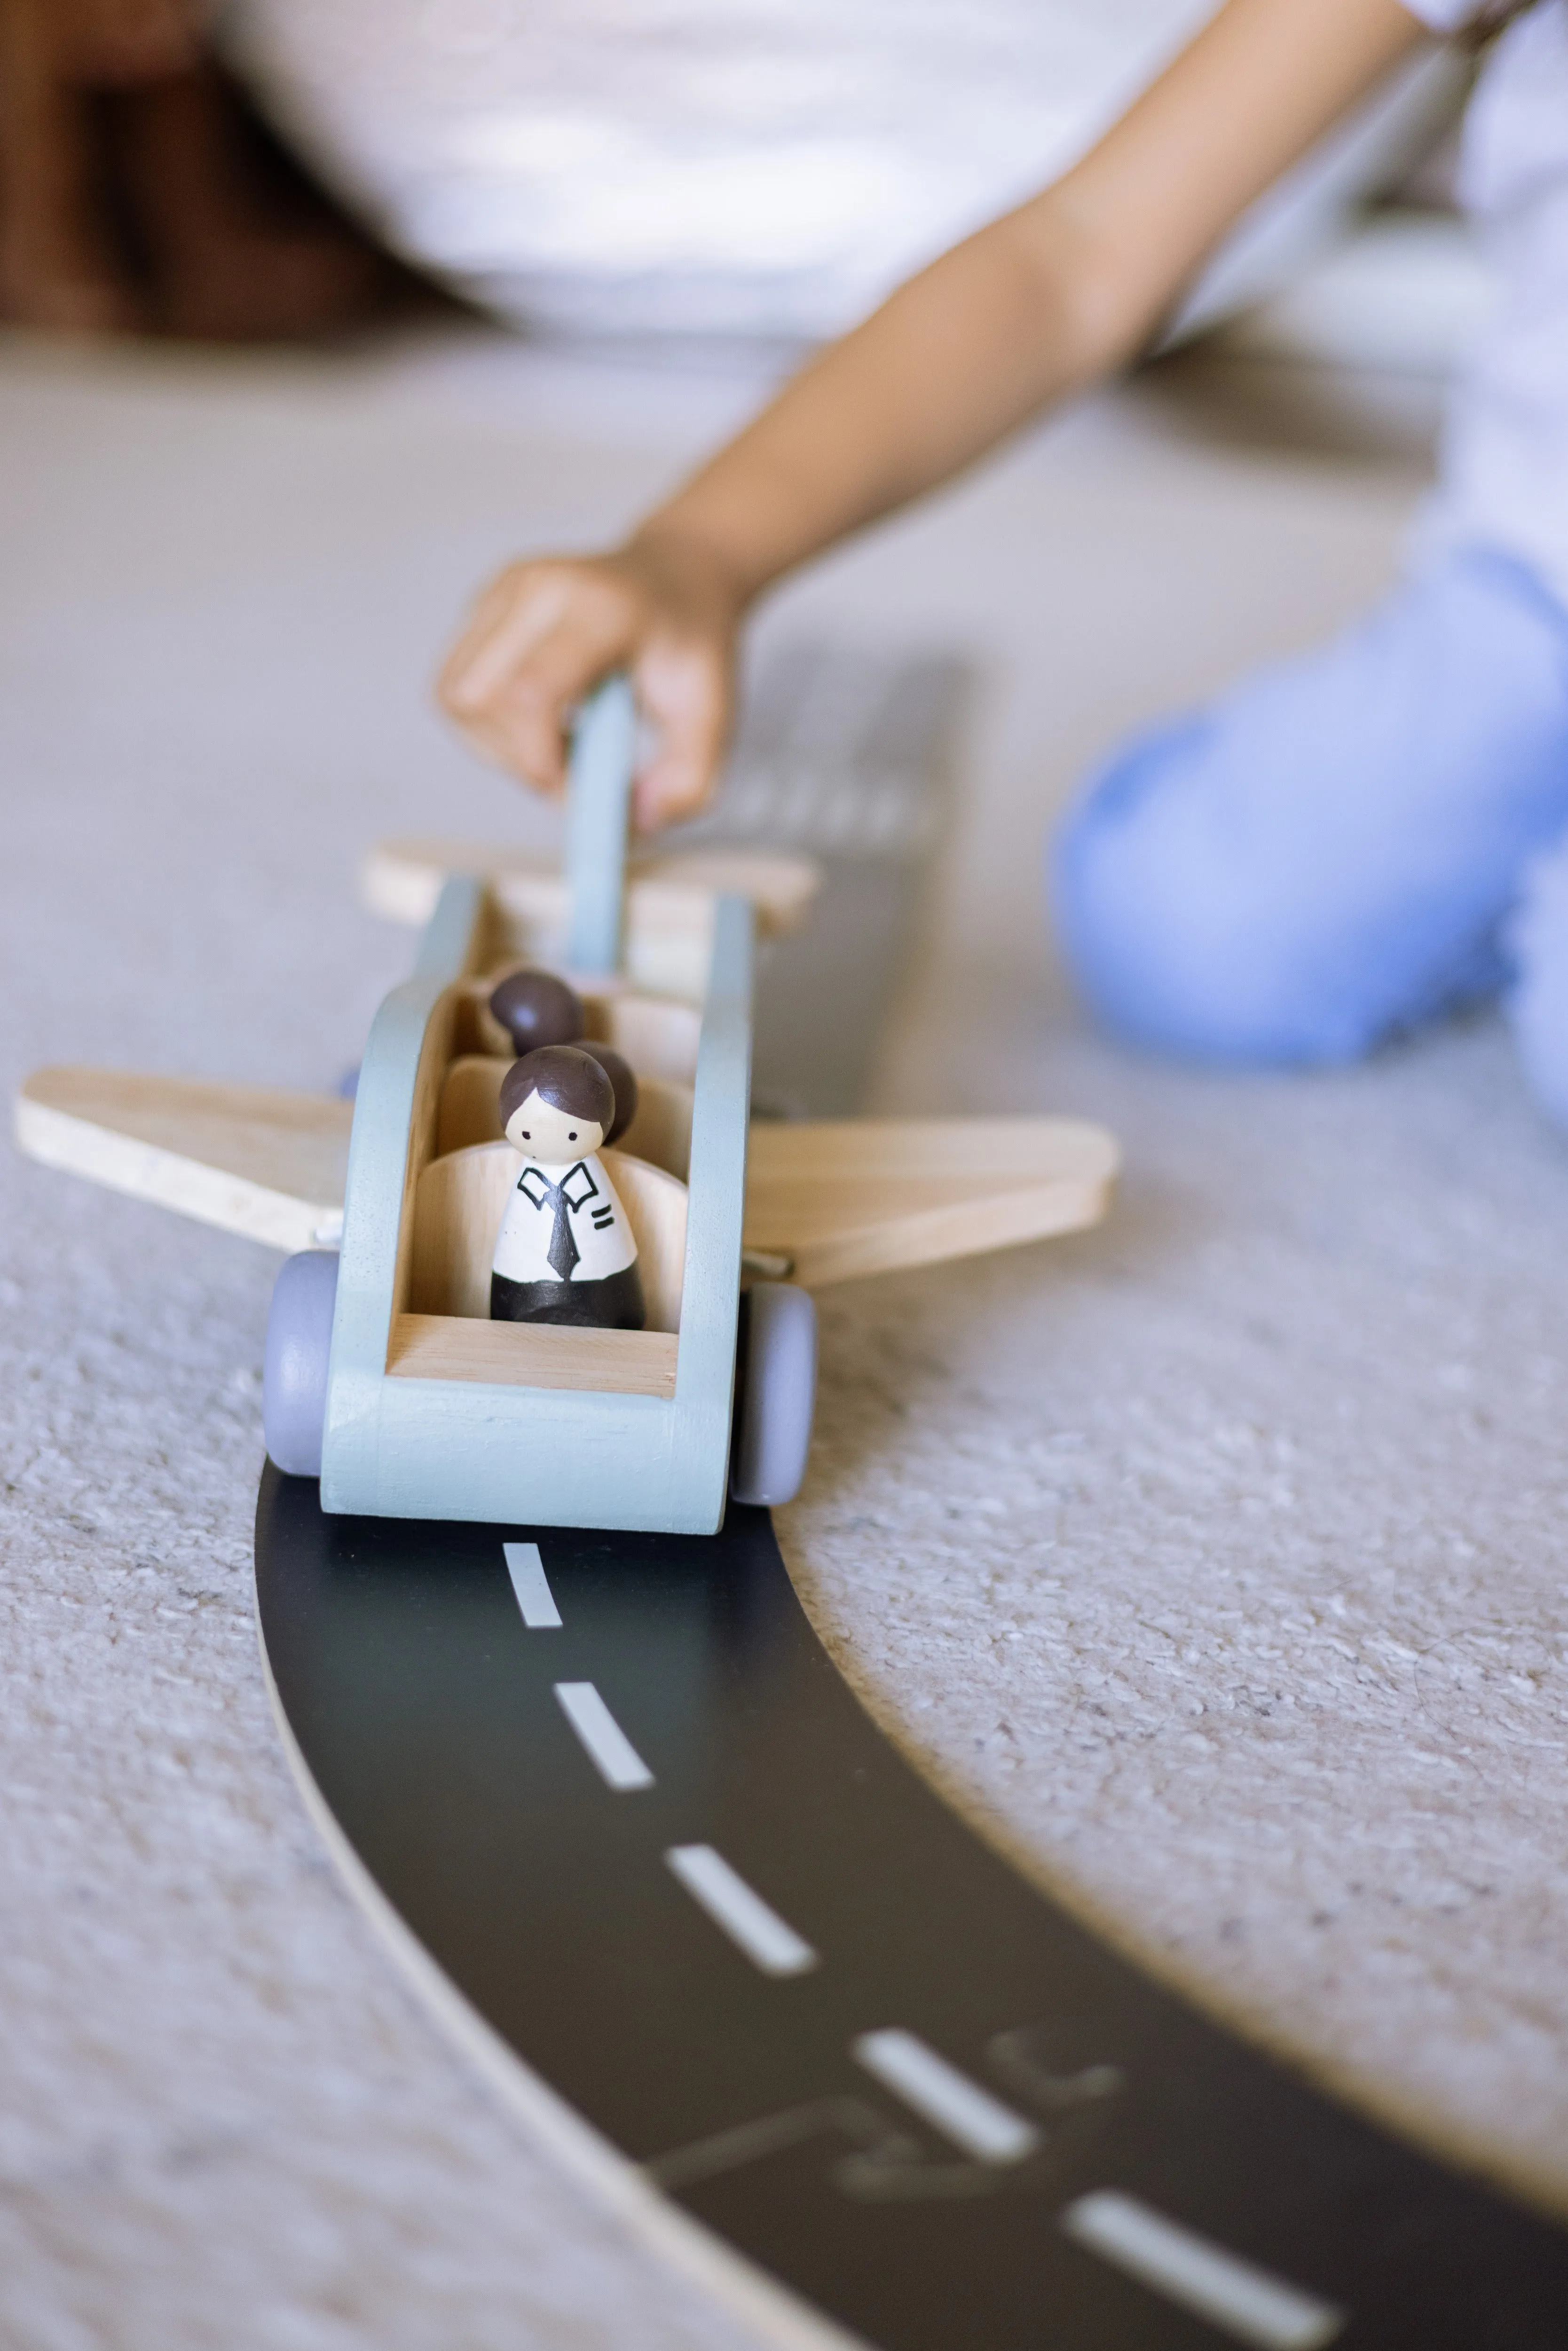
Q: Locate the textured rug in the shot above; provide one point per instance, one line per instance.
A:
(1212, 1562)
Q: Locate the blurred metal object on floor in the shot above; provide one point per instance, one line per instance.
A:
(849, 756)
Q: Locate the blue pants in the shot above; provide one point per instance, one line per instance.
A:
(1346, 845)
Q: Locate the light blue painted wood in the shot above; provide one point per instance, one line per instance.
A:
(372, 1193)
(710, 1292)
(598, 804)
(454, 938)
(524, 1456)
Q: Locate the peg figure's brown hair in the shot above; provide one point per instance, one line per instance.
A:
(565, 1077)
(618, 1070)
(535, 1009)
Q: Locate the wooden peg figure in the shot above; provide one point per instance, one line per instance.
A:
(565, 1252)
(536, 1008)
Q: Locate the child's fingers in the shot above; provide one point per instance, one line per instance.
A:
(490, 742)
(536, 643)
(509, 619)
(683, 689)
(545, 633)
(534, 707)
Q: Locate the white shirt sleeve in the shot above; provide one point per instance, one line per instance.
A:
(1444, 16)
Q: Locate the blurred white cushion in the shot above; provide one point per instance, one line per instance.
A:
(757, 168)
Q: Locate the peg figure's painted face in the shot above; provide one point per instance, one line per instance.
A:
(539, 1131)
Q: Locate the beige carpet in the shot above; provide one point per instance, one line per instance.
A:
(1213, 1560)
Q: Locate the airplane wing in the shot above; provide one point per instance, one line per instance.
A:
(825, 1201)
(401, 880)
(840, 1198)
(248, 1159)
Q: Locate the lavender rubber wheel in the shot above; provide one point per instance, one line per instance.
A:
(293, 1370)
(775, 1393)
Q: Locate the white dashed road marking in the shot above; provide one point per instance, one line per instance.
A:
(765, 1938)
(531, 1584)
(618, 1761)
(968, 2116)
(1201, 2276)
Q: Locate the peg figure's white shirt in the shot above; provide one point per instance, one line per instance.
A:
(1504, 478)
(599, 1225)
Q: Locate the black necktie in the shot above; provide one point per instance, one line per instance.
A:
(534, 1185)
(563, 1251)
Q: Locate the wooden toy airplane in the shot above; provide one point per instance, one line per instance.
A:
(383, 1375)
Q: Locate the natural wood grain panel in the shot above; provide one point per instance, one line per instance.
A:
(853, 1196)
(669, 905)
(470, 1108)
(662, 1131)
(532, 1356)
(658, 1036)
(249, 1159)
(670, 890)
(657, 1205)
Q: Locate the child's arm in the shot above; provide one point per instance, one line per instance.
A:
(1033, 307)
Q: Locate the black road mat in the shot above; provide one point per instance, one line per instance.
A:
(661, 1850)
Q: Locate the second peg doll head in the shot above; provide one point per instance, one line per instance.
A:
(536, 1008)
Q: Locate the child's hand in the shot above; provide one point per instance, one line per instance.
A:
(1072, 283)
(545, 631)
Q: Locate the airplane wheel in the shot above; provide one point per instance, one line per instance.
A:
(293, 1370)
(775, 1393)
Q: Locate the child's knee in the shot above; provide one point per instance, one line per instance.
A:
(1326, 854)
(1538, 1001)
(1181, 937)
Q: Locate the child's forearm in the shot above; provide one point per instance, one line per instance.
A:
(956, 358)
(1039, 303)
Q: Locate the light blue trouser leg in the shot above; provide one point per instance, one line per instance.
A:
(1326, 854)
(1537, 939)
